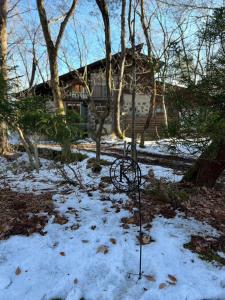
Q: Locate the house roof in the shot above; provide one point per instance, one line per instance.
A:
(44, 86)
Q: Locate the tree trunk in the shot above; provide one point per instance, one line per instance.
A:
(3, 38)
(98, 149)
(57, 95)
(4, 147)
(103, 7)
(36, 158)
(34, 152)
(53, 48)
(132, 32)
(208, 167)
(27, 149)
(98, 136)
(66, 151)
(152, 69)
(165, 116)
(117, 125)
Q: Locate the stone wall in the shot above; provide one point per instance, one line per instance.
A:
(141, 101)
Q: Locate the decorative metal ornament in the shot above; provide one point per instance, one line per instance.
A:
(125, 175)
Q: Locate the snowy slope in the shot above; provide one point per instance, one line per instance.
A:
(66, 263)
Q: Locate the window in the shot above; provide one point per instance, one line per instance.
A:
(100, 108)
(98, 84)
(99, 91)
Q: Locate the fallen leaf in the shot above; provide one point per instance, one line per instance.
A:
(162, 286)
(113, 241)
(18, 271)
(60, 220)
(146, 239)
(85, 241)
(102, 249)
(125, 226)
(131, 220)
(150, 277)
(54, 245)
(62, 253)
(173, 279)
(75, 227)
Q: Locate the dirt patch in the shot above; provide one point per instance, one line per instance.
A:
(166, 199)
(23, 213)
(203, 204)
(206, 205)
(150, 207)
(208, 248)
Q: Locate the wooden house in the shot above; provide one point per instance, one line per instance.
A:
(76, 98)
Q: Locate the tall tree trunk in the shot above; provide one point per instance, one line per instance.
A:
(152, 69)
(165, 116)
(53, 48)
(98, 149)
(4, 147)
(57, 95)
(3, 38)
(98, 136)
(30, 150)
(132, 32)
(117, 103)
(103, 7)
(208, 167)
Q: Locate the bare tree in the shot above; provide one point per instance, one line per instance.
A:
(200, 66)
(101, 117)
(30, 54)
(98, 116)
(117, 102)
(153, 65)
(3, 69)
(53, 48)
(132, 32)
(158, 59)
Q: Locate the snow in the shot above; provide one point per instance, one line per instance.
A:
(65, 264)
(162, 147)
(14, 138)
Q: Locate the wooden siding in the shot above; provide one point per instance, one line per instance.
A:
(139, 125)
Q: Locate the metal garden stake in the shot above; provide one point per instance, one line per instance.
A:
(125, 175)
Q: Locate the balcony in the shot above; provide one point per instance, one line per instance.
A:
(73, 96)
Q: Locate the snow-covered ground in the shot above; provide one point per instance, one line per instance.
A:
(69, 261)
(163, 147)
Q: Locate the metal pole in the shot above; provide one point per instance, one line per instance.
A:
(133, 136)
(140, 233)
(124, 149)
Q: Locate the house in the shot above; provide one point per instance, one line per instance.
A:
(76, 98)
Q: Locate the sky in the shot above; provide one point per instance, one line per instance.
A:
(85, 28)
(83, 41)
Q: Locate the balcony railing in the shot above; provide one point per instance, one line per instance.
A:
(75, 96)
